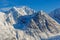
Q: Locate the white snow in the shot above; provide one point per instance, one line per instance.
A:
(25, 24)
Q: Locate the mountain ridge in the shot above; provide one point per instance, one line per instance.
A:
(25, 26)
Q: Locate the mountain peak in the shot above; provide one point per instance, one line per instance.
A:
(26, 24)
(42, 12)
(14, 7)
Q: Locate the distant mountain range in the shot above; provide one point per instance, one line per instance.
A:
(25, 23)
(55, 14)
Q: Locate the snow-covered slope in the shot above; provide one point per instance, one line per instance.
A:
(7, 32)
(55, 14)
(26, 24)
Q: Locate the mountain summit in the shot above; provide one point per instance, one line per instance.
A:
(26, 24)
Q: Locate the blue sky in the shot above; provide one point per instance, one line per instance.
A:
(46, 5)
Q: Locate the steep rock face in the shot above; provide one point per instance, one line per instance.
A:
(43, 26)
(44, 22)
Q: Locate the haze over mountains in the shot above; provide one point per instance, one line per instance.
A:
(25, 23)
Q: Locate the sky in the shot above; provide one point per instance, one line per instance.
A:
(46, 5)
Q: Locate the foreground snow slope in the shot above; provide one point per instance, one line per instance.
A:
(26, 24)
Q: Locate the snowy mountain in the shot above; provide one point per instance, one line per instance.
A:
(26, 24)
(55, 15)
